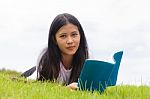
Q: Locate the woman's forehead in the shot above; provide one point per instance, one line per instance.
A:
(68, 28)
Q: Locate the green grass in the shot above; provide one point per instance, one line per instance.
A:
(12, 86)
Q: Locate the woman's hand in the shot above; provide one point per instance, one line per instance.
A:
(73, 86)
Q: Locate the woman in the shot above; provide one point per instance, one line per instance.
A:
(67, 50)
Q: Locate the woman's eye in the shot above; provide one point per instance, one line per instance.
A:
(63, 36)
(74, 34)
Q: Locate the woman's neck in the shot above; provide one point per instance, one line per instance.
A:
(67, 61)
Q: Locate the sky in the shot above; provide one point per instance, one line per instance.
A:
(109, 25)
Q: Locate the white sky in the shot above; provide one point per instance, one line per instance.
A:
(109, 25)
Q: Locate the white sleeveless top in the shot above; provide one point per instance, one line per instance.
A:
(64, 75)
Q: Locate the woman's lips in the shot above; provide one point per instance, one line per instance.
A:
(71, 47)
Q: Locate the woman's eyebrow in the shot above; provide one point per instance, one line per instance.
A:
(62, 33)
(74, 32)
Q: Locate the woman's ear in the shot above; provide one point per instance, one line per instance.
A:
(54, 40)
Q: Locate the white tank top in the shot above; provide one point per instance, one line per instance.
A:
(64, 75)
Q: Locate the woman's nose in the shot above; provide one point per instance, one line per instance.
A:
(69, 40)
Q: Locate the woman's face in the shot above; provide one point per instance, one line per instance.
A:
(68, 39)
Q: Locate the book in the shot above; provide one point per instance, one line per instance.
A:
(98, 75)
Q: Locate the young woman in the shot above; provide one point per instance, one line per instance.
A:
(67, 50)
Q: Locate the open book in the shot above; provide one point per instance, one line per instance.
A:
(97, 75)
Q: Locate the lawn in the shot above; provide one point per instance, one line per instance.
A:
(12, 86)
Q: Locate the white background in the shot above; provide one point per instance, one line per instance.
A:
(109, 25)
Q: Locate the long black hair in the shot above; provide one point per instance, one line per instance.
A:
(49, 64)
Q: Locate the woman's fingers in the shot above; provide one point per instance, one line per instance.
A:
(73, 86)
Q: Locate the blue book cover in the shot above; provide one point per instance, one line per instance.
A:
(97, 75)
